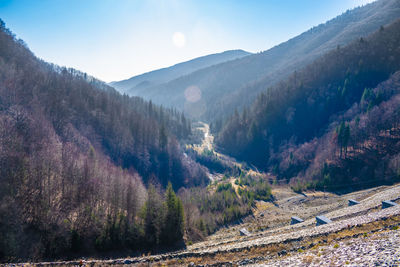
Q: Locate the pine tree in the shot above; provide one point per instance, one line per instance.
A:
(174, 224)
(343, 137)
(163, 138)
(154, 217)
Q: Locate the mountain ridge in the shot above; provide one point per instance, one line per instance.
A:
(169, 73)
(232, 85)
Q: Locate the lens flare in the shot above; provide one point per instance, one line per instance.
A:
(179, 39)
(192, 94)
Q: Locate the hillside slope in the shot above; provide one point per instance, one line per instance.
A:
(224, 87)
(75, 156)
(318, 124)
(373, 230)
(137, 85)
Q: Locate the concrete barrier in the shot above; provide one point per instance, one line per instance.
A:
(244, 232)
(296, 220)
(322, 220)
(353, 202)
(388, 204)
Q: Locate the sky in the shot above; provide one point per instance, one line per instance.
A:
(117, 39)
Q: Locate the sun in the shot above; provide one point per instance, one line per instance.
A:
(179, 39)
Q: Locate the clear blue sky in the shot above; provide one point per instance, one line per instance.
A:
(116, 39)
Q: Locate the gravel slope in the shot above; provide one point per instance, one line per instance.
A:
(338, 210)
(379, 249)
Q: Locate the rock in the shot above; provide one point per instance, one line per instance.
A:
(282, 252)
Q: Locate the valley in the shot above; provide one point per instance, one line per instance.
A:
(288, 156)
(236, 83)
(207, 144)
(274, 241)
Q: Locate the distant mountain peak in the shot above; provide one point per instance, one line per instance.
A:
(167, 74)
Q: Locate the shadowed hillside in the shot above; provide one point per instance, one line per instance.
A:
(323, 121)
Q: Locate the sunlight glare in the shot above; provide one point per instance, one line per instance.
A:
(179, 39)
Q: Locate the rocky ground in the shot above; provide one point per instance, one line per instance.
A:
(271, 221)
(378, 249)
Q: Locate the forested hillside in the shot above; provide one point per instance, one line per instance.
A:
(222, 88)
(75, 157)
(324, 124)
(138, 85)
(359, 150)
(132, 132)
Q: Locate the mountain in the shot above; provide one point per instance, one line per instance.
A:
(231, 85)
(138, 85)
(333, 123)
